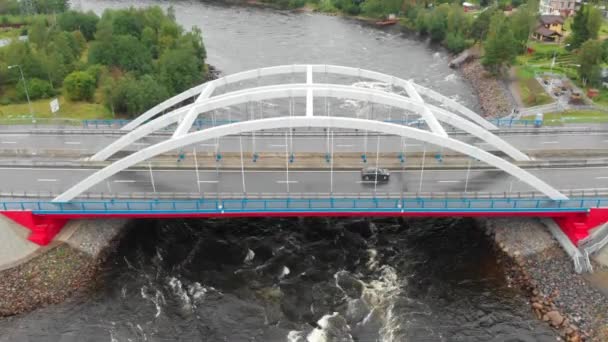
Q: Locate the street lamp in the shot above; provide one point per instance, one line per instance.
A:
(27, 95)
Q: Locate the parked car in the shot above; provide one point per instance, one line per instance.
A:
(375, 174)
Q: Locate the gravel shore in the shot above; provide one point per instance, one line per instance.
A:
(536, 263)
(55, 275)
(491, 92)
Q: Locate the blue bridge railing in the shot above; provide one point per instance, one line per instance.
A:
(245, 205)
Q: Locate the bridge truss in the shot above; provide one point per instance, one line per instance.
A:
(316, 114)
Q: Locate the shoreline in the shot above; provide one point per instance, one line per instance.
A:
(535, 264)
(62, 270)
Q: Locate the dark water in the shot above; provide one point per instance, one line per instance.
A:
(293, 280)
(290, 279)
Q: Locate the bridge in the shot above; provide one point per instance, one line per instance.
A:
(291, 141)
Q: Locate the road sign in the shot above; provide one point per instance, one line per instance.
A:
(55, 106)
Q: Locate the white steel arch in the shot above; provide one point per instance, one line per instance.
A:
(308, 121)
(309, 69)
(304, 90)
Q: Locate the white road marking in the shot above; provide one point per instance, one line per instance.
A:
(208, 181)
(550, 142)
(9, 142)
(285, 182)
(124, 181)
(448, 181)
(603, 177)
(344, 145)
(72, 142)
(208, 145)
(274, 145)
(46, 180)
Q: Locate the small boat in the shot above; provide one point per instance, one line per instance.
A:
(387, 22)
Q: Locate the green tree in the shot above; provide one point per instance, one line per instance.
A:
(37, 89)
(481, 24)
(38, 32)
(180, 69)
(585, 26)
(83, 22)
(594, 21)
(590, 57)
(131, 96)
(522, 24)
(500, 46)
(438, 22)
(455, 42)
(79, 86)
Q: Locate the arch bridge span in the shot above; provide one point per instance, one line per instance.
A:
(184, 117)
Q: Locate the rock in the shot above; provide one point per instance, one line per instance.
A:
(555, 318)
(537, 306)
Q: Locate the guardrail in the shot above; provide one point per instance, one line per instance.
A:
(587, 194)
(332, 204)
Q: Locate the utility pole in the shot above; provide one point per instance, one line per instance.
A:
(27, 94)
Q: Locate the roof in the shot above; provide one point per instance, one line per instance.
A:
(543, 31)
(551, 19)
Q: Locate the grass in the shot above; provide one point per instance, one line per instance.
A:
(531, 92)
(572, 116)
(67, 109)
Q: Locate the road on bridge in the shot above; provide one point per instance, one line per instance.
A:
(91, 143)
(56, 180)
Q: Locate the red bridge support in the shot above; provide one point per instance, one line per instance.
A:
(578, 225)
(43, 228)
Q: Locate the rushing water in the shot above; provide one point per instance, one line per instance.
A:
(296, 279)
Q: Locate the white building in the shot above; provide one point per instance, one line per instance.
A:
(559, 7)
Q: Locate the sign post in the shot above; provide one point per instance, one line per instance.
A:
(54, 106)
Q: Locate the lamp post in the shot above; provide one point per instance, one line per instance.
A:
(27, 95)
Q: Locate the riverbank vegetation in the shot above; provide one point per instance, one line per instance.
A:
(126, 61)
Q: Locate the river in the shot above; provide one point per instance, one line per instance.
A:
(296, 279)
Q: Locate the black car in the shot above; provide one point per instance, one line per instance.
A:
(375, 174)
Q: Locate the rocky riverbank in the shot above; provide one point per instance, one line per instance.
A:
(71, 265)
(490, 91)
(535, 263)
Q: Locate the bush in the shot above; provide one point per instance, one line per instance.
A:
(455, 42)
(77, 21)
(79, 86)
(37, 89)
(132, 97)
(96, 71)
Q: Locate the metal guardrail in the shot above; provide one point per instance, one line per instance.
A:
(331, 204)
(571, 193)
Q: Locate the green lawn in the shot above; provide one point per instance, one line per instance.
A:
(68, 109)
(572, 116)
(531, 92)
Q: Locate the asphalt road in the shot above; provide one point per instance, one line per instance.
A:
(315, 181)
(89, 144)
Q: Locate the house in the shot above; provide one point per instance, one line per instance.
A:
(564, 8)
(550, 28)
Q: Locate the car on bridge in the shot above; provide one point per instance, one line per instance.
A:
(375, 174)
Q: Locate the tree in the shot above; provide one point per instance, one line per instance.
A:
(500, 46)
(585, 26)
(79, 86)
(37, 32)
(481, 25)
(589, 58)
(131, 96)
(37, 89)
(438, 22)
(83, 22)
(522, 24)
(180, 69)
(455, 42)
(594, 21)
